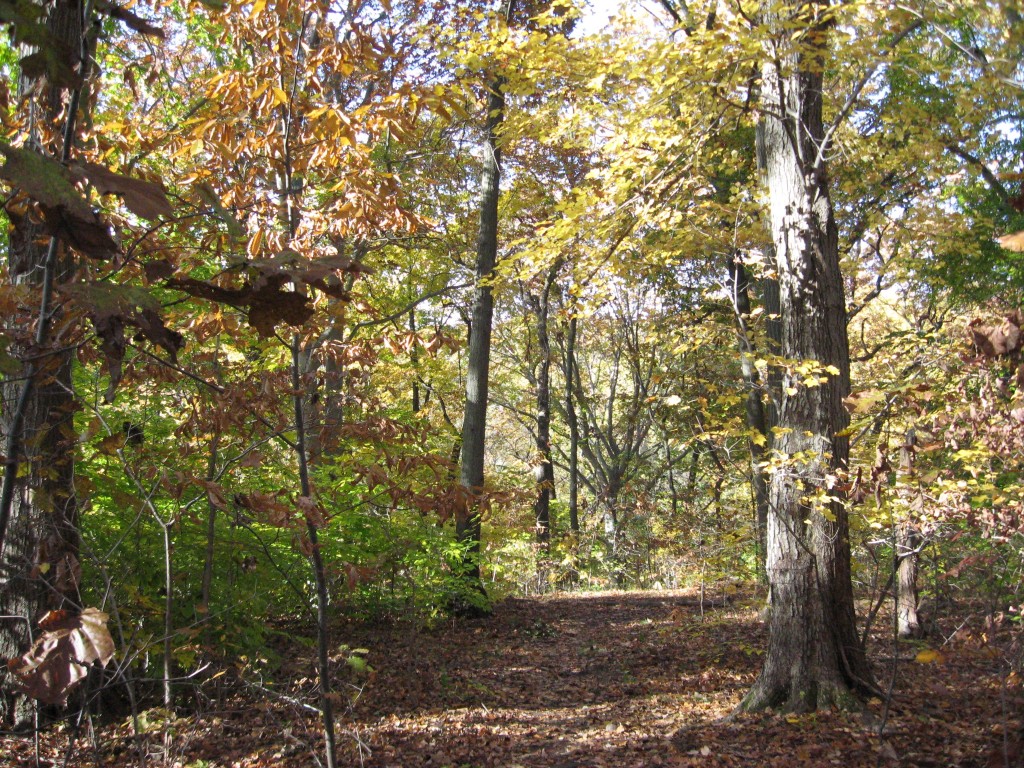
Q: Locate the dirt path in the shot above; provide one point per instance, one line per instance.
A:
(616, 680)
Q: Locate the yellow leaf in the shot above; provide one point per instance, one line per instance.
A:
(253, 248)
(929, 656)
(280, 96)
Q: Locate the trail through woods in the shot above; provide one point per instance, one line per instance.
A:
(571, 681)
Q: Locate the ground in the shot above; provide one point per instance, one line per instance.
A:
(573, 681)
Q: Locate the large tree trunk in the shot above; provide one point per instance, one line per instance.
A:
(814, 659)
(39, 566)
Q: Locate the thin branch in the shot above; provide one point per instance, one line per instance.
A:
(986, 173)
(409, 307)
(854, 97)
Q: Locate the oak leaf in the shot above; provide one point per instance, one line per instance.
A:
(60, 657)
(65, 212)
(145, 199)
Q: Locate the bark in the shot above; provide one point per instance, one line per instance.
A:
(572, 420)
(39, 543)
(544, 469)
(474, 423)
(414, 361)
(323, 635)
(815, 659)
(773, 331)
(908, 542)
(759, 443)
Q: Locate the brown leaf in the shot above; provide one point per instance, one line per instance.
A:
(151, 326)
(55, 64)
(995, 341)
(112, 308)
(158, 270)
(267, 507)
(216, 494)
(311, 510)
(54, 60)
(267, 304)
(143, 198)
(65, 212)
(60, 656)
(281, 307)
(1012, 242)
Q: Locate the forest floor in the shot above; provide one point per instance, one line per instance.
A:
(623, 680)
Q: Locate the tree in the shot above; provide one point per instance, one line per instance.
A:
(815, 659)
(474, 420)
(39, 509)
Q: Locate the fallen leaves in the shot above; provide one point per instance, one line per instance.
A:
(599, 681)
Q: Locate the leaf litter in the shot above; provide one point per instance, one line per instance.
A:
(608, 680)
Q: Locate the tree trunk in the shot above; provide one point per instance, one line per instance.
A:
(814, 659)
(759, 442)
(474, 422)
(572, 419)
(544, 469)
(908, 540)
(414, 362)
(323, 631)
(39, 567)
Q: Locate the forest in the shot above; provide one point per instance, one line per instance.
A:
(521, 383)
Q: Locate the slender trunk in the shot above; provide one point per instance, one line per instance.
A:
(414, 360)
(759, 442)
(815, 659)
(165, 530)
(211, 530)
(544, 469)
(908, 543)
(39, 543)
(572, 420)
(323, 636)
(474, 423)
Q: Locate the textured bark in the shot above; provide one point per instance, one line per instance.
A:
(908, 540)
(755, 411)
(814, 659)
(544, 469)
(474, 422)
(323, 631)
(773, 336)
(39, 566)
(572, 420)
